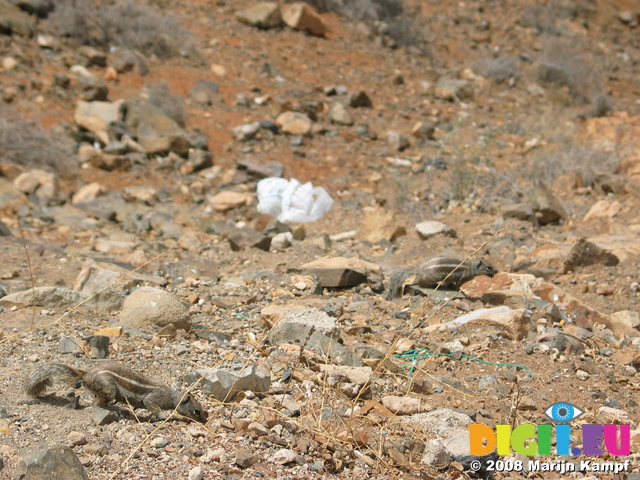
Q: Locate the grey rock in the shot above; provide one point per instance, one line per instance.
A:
(431, 227)
(98, 346)
(156, 132)
(97, 276)
(341, 271)
(104, 416)
(487, 382)
(360, 99)
(224, 385)
(4, 230)
(246, 132)
(92, 56)
(41, 8)
(441, 421)
(204, 92)
(454, 89)
(259, 170)
(245, 459)
(96, 116)
(200, 159)
(125, 60)
(436, 454)
(457, 445)
(584, 253)
(317, 342)
(68, 345)
(50, 461)
(49, 297)
(339, 114)
(546, 205)
(294, 327)
(15, 21)
(149, 306)
(397, 141)
(92, 88)
(8, 192)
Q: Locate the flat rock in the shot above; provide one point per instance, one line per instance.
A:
(224, 385)
(514, 324)
(301, 16)
(228, 200)
(341, 271)
(107, 278)
(50, 461)
(49, 297)
(149, 306)
(430, 228)
(96, 116)
(261, 15)
(295, 326)
(294, 123)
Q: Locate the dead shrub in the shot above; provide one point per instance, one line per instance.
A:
(28, 144)
(498, 69)
(590, 163)
(125, 24)
(564, 65)
(388, 17)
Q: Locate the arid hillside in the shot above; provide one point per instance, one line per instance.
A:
(150, 215)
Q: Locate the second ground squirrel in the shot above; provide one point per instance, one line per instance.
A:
(437, 271)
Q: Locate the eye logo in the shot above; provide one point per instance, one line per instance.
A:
(563, 412)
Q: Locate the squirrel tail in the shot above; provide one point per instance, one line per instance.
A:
(395, 283)
(41, 378)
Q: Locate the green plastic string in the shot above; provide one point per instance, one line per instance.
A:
(422, 353)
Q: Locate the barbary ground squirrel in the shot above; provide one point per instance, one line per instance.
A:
(434, 272)
(111, 381)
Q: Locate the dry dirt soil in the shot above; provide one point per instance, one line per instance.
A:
(496, 145)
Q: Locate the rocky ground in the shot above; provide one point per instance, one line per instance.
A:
(132, 139)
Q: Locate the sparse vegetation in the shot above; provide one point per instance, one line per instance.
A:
(587, 161)
(28, 144)
(563, 65)
(498, 69)
(127, 24)
(388, 17)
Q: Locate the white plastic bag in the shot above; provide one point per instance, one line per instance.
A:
(290, 201)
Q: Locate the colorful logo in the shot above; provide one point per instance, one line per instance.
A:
(530, 440)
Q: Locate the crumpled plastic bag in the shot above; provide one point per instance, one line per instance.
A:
(291, 201)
